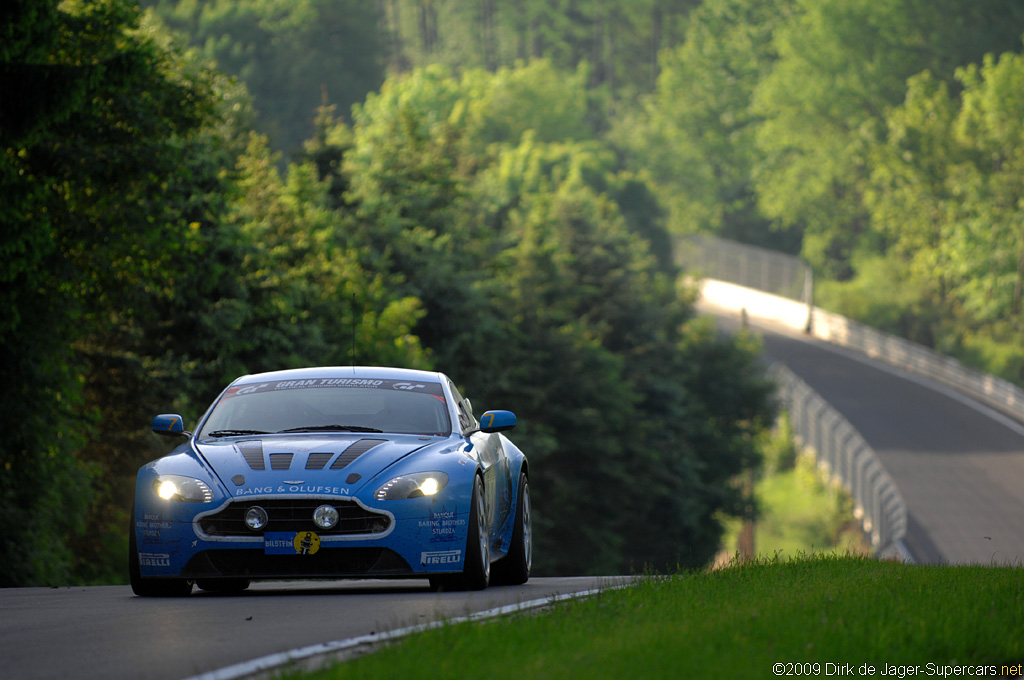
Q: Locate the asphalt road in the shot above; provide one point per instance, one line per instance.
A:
(958, 464)
(105, 632)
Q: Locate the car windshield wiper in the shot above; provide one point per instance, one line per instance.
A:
(235, 433)
(328, 428)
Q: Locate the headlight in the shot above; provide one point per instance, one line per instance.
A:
(326, 517)
(412, 486)
(256, 518)
(184, 489)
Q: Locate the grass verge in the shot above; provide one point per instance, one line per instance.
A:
(739, 622)
(800, 512)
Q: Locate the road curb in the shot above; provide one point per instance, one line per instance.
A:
(317, 656)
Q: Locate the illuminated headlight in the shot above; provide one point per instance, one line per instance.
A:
(256, 518)
(325, 517)
(412, 486)
(184, 489)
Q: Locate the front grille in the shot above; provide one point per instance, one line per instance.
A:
(295, 515)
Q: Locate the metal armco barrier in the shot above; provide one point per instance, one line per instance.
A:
(848, 460)
(995, 392)
(737, 279)
(788, 286)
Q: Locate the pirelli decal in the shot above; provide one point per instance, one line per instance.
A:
(154, 560)
(440, 557)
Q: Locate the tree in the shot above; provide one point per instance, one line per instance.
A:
(90, 223)
(293, 55)
(619, 40)
(946, 193)
(694, 136)
(507, 229)
(842, 66)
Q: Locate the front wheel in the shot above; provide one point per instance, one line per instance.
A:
(476, 572)
(514, 568)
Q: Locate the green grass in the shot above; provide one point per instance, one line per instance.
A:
(736, 623)
(800, 513)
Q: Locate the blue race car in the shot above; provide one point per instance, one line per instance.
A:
(350, 472)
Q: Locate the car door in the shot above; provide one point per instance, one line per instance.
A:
(493, 463)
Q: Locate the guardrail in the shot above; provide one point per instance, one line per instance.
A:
(765, 285)
(995, 392)
(786, 296)
(844, 455)
(707, 257)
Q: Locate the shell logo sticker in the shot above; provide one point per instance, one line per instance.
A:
(306, 543)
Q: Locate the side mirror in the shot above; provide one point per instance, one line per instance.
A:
(497, 421)
(169, 425)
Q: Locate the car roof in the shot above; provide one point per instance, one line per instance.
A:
(377, 372)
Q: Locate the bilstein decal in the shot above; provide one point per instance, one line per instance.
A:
(291, 543)
(306, 543)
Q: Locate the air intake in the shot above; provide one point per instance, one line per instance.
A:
(354, 451)
(281, 461)
(317, 461)
(252, 451)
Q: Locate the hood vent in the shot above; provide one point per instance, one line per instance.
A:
(281, 461)
(354, 451)
(252, 451)
(317, 461)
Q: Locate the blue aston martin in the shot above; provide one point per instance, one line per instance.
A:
(321, 473)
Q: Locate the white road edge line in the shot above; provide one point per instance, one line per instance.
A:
(275, 662)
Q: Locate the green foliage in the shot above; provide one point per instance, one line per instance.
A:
(878, 139)
(142, 270)
(881, 296)
(695, 134)
(486, 221)
(86, 235)
(302, 289)
(945, 190)
(841, 67)
(293, 55)
(620, 40)
(536, 96)
(799, 512)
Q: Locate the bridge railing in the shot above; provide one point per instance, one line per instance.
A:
(774, 287)
(847, 459)
(787, 286)
(995, 392)
(707, 257)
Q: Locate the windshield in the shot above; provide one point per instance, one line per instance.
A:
(330, 405)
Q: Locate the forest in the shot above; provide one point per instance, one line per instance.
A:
(197, 189)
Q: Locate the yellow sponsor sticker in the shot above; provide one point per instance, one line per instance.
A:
(306, 543)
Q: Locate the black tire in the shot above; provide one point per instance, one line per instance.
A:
(151, 587)
(514, 568)
(226, 586)
(476, 570)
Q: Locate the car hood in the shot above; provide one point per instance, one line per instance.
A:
(336, 465)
